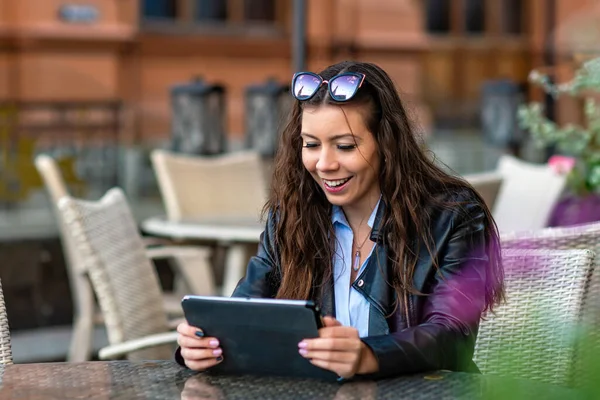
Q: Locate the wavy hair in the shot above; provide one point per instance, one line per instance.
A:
(409, 180)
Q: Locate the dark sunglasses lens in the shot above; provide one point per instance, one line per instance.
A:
(344, 87)
(305, 85)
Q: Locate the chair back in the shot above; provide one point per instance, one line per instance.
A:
(124, 280)
(487, 184)
(231, 185)
(5, 346)
(527, 196)
(584, 236)
(531, 336)
(81, 290)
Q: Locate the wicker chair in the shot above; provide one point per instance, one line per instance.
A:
(519, 209)
(530, 336)
(85, 316)
(584, 236)
(112, 254)
(197, 187)
(5, 347)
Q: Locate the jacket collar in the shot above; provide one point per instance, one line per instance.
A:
(377, 233)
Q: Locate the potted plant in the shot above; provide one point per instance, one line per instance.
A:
(578, 145)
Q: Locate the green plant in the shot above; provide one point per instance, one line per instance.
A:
(582, 142)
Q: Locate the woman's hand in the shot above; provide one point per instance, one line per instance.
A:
(339, 349)
(198, 352)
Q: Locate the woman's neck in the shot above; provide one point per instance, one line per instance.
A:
(358, 215)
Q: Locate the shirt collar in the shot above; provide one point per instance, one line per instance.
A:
(337, 215)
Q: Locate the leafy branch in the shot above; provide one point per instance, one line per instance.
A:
(580, 142)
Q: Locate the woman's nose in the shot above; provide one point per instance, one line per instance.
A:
(327, 161)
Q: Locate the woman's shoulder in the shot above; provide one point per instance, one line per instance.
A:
(459, 201)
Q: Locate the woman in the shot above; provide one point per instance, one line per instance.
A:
(401, 256)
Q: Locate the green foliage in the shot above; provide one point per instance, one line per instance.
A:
(580, 142)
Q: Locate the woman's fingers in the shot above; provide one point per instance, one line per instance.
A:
(202, 364)
(338, 354)
(201, 359)
(331, 344)
(200, 354)
(186, 341)
(185, 329)
(332, 356)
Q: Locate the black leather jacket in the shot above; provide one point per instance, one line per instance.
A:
(442, 324)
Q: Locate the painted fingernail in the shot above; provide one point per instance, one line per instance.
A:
(303, 345)
(199, 333)
(214, 343)
(217, 352)
(220, 358)
(303, 352)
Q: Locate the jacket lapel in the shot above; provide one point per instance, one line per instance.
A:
(373, 283)
(328, 300)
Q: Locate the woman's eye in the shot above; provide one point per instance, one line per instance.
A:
(346, 147)
(310, 145)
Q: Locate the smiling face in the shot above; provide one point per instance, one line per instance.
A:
(341, 154)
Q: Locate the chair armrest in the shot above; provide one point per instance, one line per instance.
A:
(192, 262)
(120, 349)
(177, 251)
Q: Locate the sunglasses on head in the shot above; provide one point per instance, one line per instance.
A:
(342, 87)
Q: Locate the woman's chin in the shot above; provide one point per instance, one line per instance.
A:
(338, 200)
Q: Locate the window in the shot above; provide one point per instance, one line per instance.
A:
(211, 12)
(159, 9)
(474, 16)
(512, 17)
(259, 10)
(438, 16)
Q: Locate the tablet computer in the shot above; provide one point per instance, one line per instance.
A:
(258, 336)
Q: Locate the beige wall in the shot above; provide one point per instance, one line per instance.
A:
(56, 60)
(389, 23)
(91, 76)
(577, 31)
(4, 75)
(578, 26)
(45, 12)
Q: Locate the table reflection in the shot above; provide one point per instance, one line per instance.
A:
(167, 380)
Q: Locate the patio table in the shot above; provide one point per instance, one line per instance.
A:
(167, 380)
(239, 235)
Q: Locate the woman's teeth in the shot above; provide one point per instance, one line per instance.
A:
(336, 183)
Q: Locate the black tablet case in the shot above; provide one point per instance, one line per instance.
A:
(257, 338)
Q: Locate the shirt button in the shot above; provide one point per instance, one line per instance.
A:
(360, 283)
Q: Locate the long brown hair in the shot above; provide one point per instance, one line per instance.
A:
(409, 180)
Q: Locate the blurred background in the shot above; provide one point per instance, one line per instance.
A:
(99, 84)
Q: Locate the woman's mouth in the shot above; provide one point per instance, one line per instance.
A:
(335, 186)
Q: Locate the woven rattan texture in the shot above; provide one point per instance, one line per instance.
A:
(530, 336)
(124, 380)
(5, 347)
(123, 278)
(585, 236)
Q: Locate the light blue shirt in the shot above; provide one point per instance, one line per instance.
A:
(351, 307)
